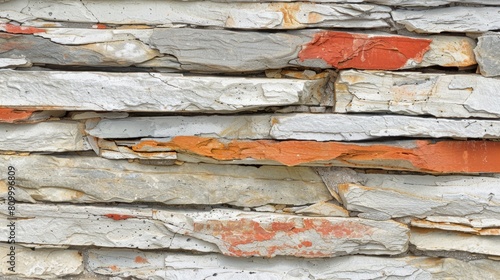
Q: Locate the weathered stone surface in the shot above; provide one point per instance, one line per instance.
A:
(408, 3)
(245, 234)
(9, 115)
(90, 179)
(317, 127)
(336, 127)
(450, 19)
(438, 240)
(320, 49)
(183, 266)
(440, 95)
(40, 263)
(456, 227)
(321, 209)
(150, 91)
(486, 54)
(421, 156)
(70, 225)
(56, 136)
(233, 232)
(475, 199)
(207, 13)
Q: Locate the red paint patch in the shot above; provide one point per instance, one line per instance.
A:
(99, 26)
(113, 267)
(118, 217)
(13, 115)
(140, 259)
(360, 51)
(17, 29)
(305, 244)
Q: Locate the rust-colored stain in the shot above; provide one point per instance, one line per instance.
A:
(349, 50)
(427, 156)
(118, 217)
(13, 115)
(99, 26)
(287, 235)
(139, 259)
(17, 29)
(289, 11)
(113, 267)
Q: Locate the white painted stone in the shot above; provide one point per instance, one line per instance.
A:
(454, 227)
(245, 234)
(40, 263)
(55, 136)
(13, 62)
(438, 240)
(411, 93)
(450, 19)
(474, 201)
(486, 53)
(321, 209)
(101, 91)
(207, 13)
(338, 127)
(90, 179)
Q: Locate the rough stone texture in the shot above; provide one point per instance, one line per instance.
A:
(235, 233)
(142, 265)
(486, 54)
(438, 240)
(41, 263)
(450, 19)
(56, 136)
(207, 13)
(334, 127)
(150, 91)
(9, 115)
(245, 234)
(411, 93)
(319, 127)
(89, 179)
(420, 155)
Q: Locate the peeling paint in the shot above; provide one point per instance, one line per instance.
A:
(13, 115)
(349, 50)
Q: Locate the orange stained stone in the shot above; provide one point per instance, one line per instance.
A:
(13, 115)
(17, 29)
(118, 217)
(361, 51)
(139, 259)
(448, 156)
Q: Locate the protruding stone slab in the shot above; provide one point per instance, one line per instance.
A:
(486, 54)
(438, 240)
(203, 184)
(450, 19)
(101, 91)
(440, 95)
(420, 155)
(9, 115)
(40, 263)
(55, 136)
(244, 234)
(180, 266)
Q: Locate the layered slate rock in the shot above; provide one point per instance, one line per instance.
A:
(55, 136)
(9, 115)
(421, 196)
(90, 179)
(486, 54)
(235, 233)
(319, 127)
(101, 91)
(432, 240)
(413, 155)
(411, 93)
(184, 266)
(41, 263)
(450, 19)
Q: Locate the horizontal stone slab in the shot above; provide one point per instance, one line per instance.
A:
(206, 13)
(54, 136)
(152, 92)
(411, 93)
(421, 156)
(101, 180)
(9, 115)
(438, 240)
(420, 223)
(405, 3)
(450, 19)
(233, 232)
(487, 47)
(40, 263)
(311, 48)
(141, 264)
(319, 127)
(418, 195)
